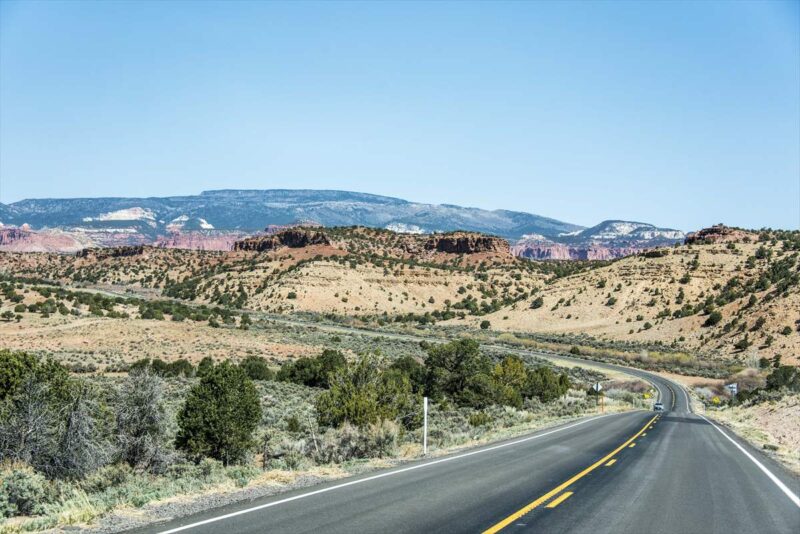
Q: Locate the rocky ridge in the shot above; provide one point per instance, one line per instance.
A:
(292, 238)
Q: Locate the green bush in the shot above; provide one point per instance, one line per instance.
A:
(313, 372)
(180, 367)
(17, 367)
(508, 380)
(458, 371)
(544, 384)
(411, 368)
(257, 368)
(206, 364)
(219, 416)
(479, 419)
(25, 492)
(713, 318)
(785, 376)
(361, 394)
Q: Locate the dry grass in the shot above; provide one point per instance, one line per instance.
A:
(636, 283)
(103, 341)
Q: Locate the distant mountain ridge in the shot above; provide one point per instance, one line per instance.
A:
(605, 241)
(252, 210)
(216, 217)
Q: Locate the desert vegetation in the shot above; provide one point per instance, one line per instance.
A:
(74, 448)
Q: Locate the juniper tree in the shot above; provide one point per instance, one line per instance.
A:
(141, 425)
(219, 416)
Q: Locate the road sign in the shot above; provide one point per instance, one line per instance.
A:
(597, 387)
(733, 388)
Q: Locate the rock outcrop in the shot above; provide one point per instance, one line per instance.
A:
(719, 233)
(466, 243)
(292, 238)
(13, 239)
(200, 240)
(555, 251)
(273, 229)
(112, 252)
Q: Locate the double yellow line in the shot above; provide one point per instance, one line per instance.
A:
(561, 487)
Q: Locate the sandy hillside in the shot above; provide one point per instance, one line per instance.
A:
(638, 299)
(104, 341)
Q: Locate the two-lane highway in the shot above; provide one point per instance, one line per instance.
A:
(624, 473)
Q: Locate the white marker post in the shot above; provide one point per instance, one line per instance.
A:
(425, 426)
(598, 387)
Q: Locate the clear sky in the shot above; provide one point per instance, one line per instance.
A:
(675, 113)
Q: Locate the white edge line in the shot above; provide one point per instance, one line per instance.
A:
(380, 475)
(783, 487)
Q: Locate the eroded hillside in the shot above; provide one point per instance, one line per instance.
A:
(734, 297)
(347, 271)
(729, 295)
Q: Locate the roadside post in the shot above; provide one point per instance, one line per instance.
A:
(425, 426)
(597, 387)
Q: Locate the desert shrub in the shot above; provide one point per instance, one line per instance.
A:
(179, 367)
(411, 368)
(205, 365)
(508, 379)
(257, 368)
(219, 416)
(479, 419)
(313, 372)
(361, 394)
(84, 440)
(141, 425)
(56, 424)
(349, 442)
(24, 492)
(293, 424)
(107, 477)
(17, 367)
(29, 424)
(485, 325)
(458, 371)
(713, 318)
(545, 384)
(538, 302)
(785, 376)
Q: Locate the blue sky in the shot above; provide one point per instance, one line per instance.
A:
(679, 114)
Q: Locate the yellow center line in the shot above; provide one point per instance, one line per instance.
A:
(611, 462)
(563, 497)
(561, 487)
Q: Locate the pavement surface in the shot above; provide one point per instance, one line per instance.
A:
(636, 472)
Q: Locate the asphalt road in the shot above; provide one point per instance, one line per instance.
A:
(638, 472)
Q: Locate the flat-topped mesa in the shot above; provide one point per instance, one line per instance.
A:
(719, 233)
(273, 229)
(292, 238)
(112, 252)
(466, 243)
